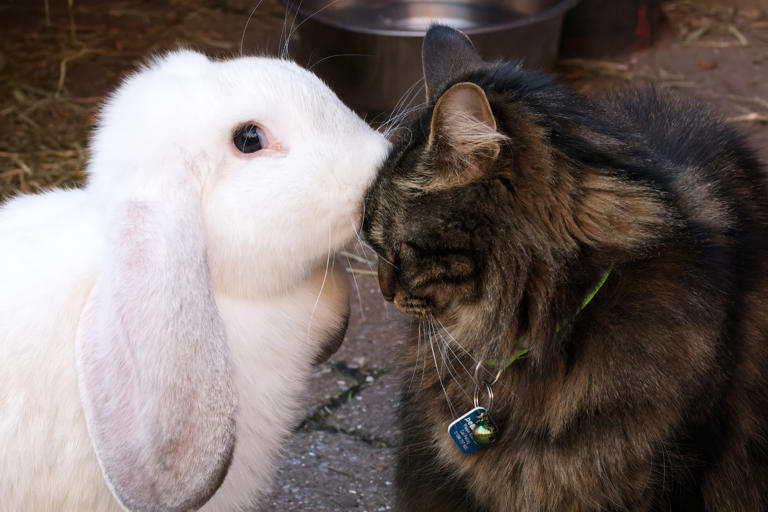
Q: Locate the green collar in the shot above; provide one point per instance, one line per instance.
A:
(520, 353)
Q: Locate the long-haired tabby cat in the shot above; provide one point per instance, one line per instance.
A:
(606, 264)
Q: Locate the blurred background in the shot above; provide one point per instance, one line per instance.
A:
(59, 58)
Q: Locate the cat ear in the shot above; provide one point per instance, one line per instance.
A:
(446, 53)
(463, 140)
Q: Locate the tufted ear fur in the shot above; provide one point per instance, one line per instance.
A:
(154, 368)
(463, 141)
(446, 53)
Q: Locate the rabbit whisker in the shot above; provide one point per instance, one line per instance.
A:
(359, 229)
(408, 110)
(400, 104)
(297, 27)
(284, 50)
(357, 289)
(360, 255)
(403, 108)
(360, 250)
(245, 28)
(403, 99)
(283, 29)
(362, 242)
(395, 120)
(322, 286)
(367, 246)
(339, 55)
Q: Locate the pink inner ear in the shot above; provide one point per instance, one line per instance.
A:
(154, 365)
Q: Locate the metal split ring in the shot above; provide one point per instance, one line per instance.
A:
(488, 386)
(476, 397)
(478, 366)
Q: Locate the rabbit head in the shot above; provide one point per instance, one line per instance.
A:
(239, 176)
(270, 215)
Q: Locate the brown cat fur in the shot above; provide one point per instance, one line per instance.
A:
(505, 204)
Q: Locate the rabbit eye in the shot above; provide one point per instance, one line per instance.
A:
(249, 138)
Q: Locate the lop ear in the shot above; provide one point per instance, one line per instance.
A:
(463, 140)
(446, 53)
(154, 368)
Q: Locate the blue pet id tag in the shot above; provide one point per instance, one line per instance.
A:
(473, 431)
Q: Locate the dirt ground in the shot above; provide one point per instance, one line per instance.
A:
(55, 68)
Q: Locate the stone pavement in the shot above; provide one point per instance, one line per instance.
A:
(341, 456)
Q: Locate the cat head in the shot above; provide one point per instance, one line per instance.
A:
(486, 198)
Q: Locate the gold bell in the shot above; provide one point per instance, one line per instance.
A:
(484, 433)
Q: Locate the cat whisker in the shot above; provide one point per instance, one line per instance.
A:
(492, 375)
(439, 376)
(245, 28)
(385, 260)
(424, 363)
(459, 345)
(418, 352)
(448, 346)
(447, 360)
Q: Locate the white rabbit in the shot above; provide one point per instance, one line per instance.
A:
(157, 327)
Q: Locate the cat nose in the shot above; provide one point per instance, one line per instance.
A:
(386, 282)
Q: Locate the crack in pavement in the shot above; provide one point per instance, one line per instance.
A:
(317, 419)
(365, 437)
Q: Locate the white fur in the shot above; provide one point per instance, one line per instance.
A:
(266, 222)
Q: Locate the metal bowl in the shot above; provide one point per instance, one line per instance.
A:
(369, 52)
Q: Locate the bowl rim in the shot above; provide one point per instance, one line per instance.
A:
(550, 12)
